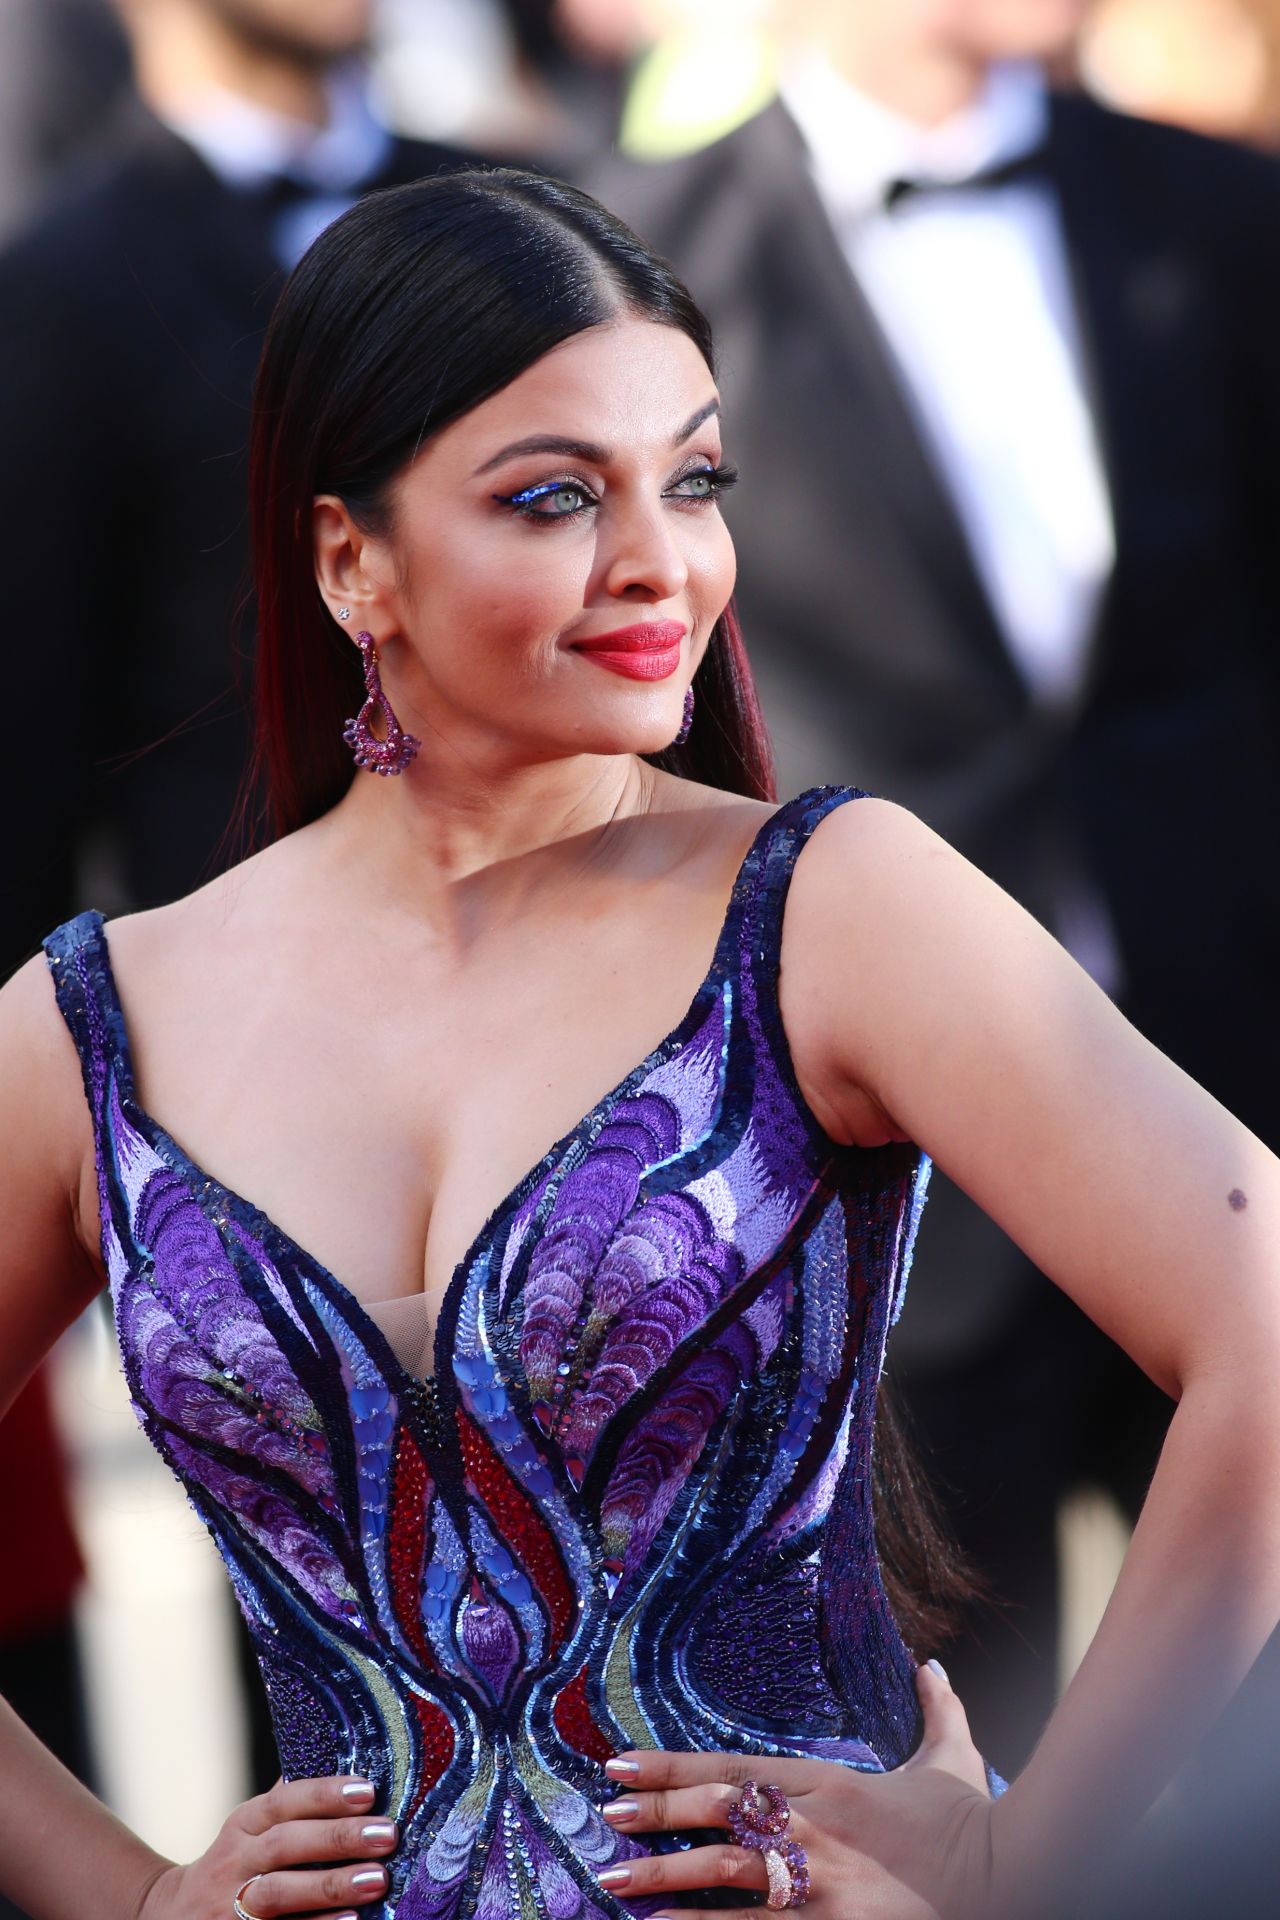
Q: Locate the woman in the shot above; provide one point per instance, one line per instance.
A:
(572, 1486)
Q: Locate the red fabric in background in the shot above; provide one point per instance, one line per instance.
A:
(42, 1568)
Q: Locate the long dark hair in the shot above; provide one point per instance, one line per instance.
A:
(407, 312)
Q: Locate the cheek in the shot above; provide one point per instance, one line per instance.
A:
(500, 597)
(712, 570)
(527, 598)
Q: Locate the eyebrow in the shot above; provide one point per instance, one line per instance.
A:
(588, 450)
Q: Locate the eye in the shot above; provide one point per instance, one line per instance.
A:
(704, 483)
(552, 500)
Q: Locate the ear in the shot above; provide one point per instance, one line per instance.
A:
(350, 564)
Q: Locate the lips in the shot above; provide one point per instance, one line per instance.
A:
(650, 650)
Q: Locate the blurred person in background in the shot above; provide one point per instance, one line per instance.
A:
(510, 76)
(1213, 65)
(64, 65)
(131, 313)
(1015, 356)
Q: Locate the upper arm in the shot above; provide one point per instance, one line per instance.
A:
(910, 978)
(48, 1202)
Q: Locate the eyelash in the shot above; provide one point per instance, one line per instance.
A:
(523, 503)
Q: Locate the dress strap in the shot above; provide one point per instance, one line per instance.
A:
(787, 835)
(87, 997)
(759, 932)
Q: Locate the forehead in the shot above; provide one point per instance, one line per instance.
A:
(630, 385)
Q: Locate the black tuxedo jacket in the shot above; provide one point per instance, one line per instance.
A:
(131, 316)
(878, 653)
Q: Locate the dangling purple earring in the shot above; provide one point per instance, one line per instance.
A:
(392, 754)
(687, 722)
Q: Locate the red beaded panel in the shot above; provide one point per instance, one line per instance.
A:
(573, 1720)
(405, 1540)
(517, 1522)
(437, 1747)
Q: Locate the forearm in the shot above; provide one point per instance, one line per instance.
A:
(63, 1856)
(1197, 1598)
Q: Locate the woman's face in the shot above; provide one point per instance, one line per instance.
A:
(558, 559)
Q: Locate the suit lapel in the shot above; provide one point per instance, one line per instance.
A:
(879, 442)
(1138, 305)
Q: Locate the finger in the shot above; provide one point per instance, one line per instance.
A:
(306, 1800)
(326, 1890)
(670, 1807)
(713, 1866)
(947, 1741)
(652, 1769)
(700, 1913)
(296, 1843)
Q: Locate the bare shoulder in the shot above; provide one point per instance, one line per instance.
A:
(873, 842)
(873, 880)
(172, 946)
(872, 876)
(891, 939)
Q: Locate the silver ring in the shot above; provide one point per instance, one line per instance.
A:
(237, 1900)
(779, 1879)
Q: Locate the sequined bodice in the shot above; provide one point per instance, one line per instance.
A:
(632, 1509)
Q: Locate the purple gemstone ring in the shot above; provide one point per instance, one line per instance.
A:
(763, 1828)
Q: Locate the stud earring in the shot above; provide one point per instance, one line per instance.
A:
(344, 613)
(687, 723)
(397, 748)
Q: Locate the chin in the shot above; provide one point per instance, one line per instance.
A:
(612, 742)
(1032, 29)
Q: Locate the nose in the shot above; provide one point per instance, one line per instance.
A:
(644, 559)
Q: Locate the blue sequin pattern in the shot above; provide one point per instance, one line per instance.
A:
(633, 1506)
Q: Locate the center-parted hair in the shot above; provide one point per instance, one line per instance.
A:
(411, 309)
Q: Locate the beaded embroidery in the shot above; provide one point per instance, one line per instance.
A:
(632, 1508)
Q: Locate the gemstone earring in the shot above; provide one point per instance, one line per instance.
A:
(397, 748)
(687, 723)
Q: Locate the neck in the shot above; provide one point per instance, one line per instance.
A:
(182, 51)
(455, 846)
(890, 57)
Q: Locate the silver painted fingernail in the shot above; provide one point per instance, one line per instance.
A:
(614, 1876)
(621, 1810)
(371, 1877)
(622, 1769)
(937, 1667)
(379, 1832)
(357, 1790)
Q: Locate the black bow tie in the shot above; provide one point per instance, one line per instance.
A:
(281, 191)
(1024, 166)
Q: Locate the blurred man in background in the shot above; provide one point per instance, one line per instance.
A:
(1209, 64)
(1000, 368)
(64, 65)
(131, 315)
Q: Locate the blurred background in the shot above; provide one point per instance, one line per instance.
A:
(997, 286)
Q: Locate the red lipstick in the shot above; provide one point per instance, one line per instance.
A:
(648, 651)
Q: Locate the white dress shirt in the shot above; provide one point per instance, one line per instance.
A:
(248, 145)
(972, 293)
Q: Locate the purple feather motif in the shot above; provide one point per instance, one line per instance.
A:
(635, 1505)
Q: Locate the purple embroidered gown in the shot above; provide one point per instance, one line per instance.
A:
(633, 1505)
